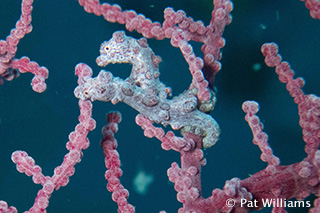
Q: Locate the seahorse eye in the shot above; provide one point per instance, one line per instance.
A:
(86, 93)
(106, 48)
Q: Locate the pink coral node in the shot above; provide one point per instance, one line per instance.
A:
(250, 107)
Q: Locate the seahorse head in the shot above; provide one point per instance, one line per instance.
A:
(119, 49)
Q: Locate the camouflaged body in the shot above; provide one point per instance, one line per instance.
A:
(143, 90)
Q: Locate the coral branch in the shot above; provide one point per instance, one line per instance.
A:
(188, 112)
(112, 162)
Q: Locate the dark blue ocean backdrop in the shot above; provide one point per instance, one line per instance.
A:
(64, 35)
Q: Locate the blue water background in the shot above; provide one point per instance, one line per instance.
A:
(64, 35)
